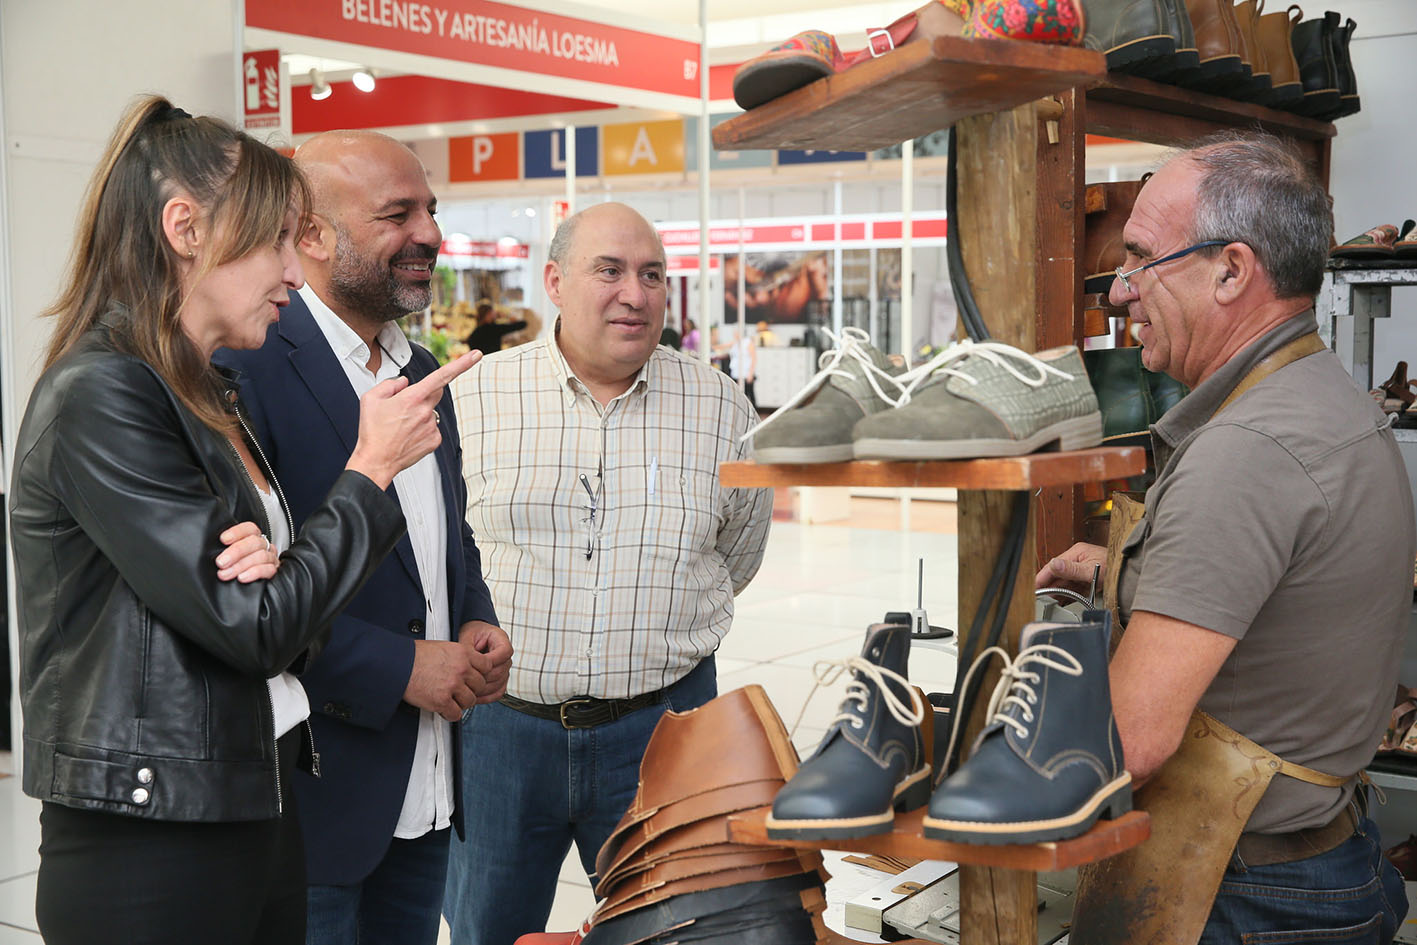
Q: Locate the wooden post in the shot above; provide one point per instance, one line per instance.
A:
(997, 227)
(1058, 302)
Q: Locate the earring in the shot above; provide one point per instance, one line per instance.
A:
(191, 254)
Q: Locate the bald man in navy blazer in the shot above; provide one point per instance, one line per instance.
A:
(420, 645)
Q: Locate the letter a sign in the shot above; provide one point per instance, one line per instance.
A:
(650, 147)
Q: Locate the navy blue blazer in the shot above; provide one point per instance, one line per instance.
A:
(305, 415)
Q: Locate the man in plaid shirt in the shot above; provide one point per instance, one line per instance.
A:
(613, 555)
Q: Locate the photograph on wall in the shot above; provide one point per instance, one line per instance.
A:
(778, 287)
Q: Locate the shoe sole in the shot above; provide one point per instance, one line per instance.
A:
(911, 793)
(1138, 51)
(764, 81)
(1076, 433)
(1115, 798)
(831, 453)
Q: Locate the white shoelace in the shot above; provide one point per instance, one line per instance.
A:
(1015, 685)
(1005, 356)
(850, 347)
(862, 670)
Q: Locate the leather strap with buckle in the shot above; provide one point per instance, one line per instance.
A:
(584, 711)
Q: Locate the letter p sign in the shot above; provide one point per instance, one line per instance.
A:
(485, 157)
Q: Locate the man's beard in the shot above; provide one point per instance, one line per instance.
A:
(369, 286)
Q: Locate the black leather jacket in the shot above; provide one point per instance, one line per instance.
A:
(142, 676)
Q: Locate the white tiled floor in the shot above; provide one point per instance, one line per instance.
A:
(820, 586)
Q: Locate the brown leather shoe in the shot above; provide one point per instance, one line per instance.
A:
(1275, 34)
(1217, 44)
(1247, 12)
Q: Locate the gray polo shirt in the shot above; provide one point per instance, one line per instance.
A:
(1285, 522)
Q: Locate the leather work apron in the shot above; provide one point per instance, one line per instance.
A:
(1161, 892)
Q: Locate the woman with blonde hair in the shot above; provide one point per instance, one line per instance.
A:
(165, 607)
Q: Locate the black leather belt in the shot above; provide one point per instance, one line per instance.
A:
(584, 711)
(1266, 849)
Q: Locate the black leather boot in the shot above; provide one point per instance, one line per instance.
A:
(1186, 59)
(1123, 394)
(1135, 34)
(872, 760)
(1339, 37)
(1318, 68)
(1049, 761)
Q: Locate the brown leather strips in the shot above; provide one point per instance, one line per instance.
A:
(672, 845)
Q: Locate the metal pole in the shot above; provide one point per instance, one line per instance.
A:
(742, 282)
(705, 298)
(836, 261)
(907, 195)
(570, 169)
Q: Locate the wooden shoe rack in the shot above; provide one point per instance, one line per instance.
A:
(1021, 113)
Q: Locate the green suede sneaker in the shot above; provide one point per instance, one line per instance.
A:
(977, 399)
(855, 380)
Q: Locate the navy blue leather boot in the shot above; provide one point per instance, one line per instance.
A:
(1049, 761)
(872, 760)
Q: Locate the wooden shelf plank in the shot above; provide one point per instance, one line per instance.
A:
(1140, 109)
(1008, 472)
(1106, 838)
(910, 92)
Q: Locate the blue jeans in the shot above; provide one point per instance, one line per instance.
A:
(530, 788)
(1350, 895)
(397, 904)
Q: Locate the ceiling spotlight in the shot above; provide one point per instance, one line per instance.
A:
(319, 88)
(363, 79)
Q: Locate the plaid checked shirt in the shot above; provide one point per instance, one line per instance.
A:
(624, 593)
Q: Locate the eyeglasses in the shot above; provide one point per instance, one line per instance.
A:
(589, 520)
(1125, 276)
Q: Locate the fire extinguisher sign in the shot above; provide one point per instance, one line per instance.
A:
(260, 83)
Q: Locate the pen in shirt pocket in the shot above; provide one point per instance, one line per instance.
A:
(653, 473)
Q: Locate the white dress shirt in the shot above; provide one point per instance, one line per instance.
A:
(428, 803)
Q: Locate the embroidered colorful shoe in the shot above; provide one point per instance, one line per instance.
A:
(1377, 242)
(1035, 21)
(1406, 245)
(814, 55)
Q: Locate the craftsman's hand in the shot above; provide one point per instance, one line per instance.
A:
(444, 680)
(248, 555)
(491, 654)
(1073, 569)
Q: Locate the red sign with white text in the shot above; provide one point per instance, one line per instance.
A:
(260, 78)
(927, 228)
(459, 247)
(486, 33)
(687, 264)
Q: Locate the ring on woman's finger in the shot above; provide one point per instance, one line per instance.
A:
(267, 541)
(435, 416)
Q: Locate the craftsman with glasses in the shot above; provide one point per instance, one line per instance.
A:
(1262, 593)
